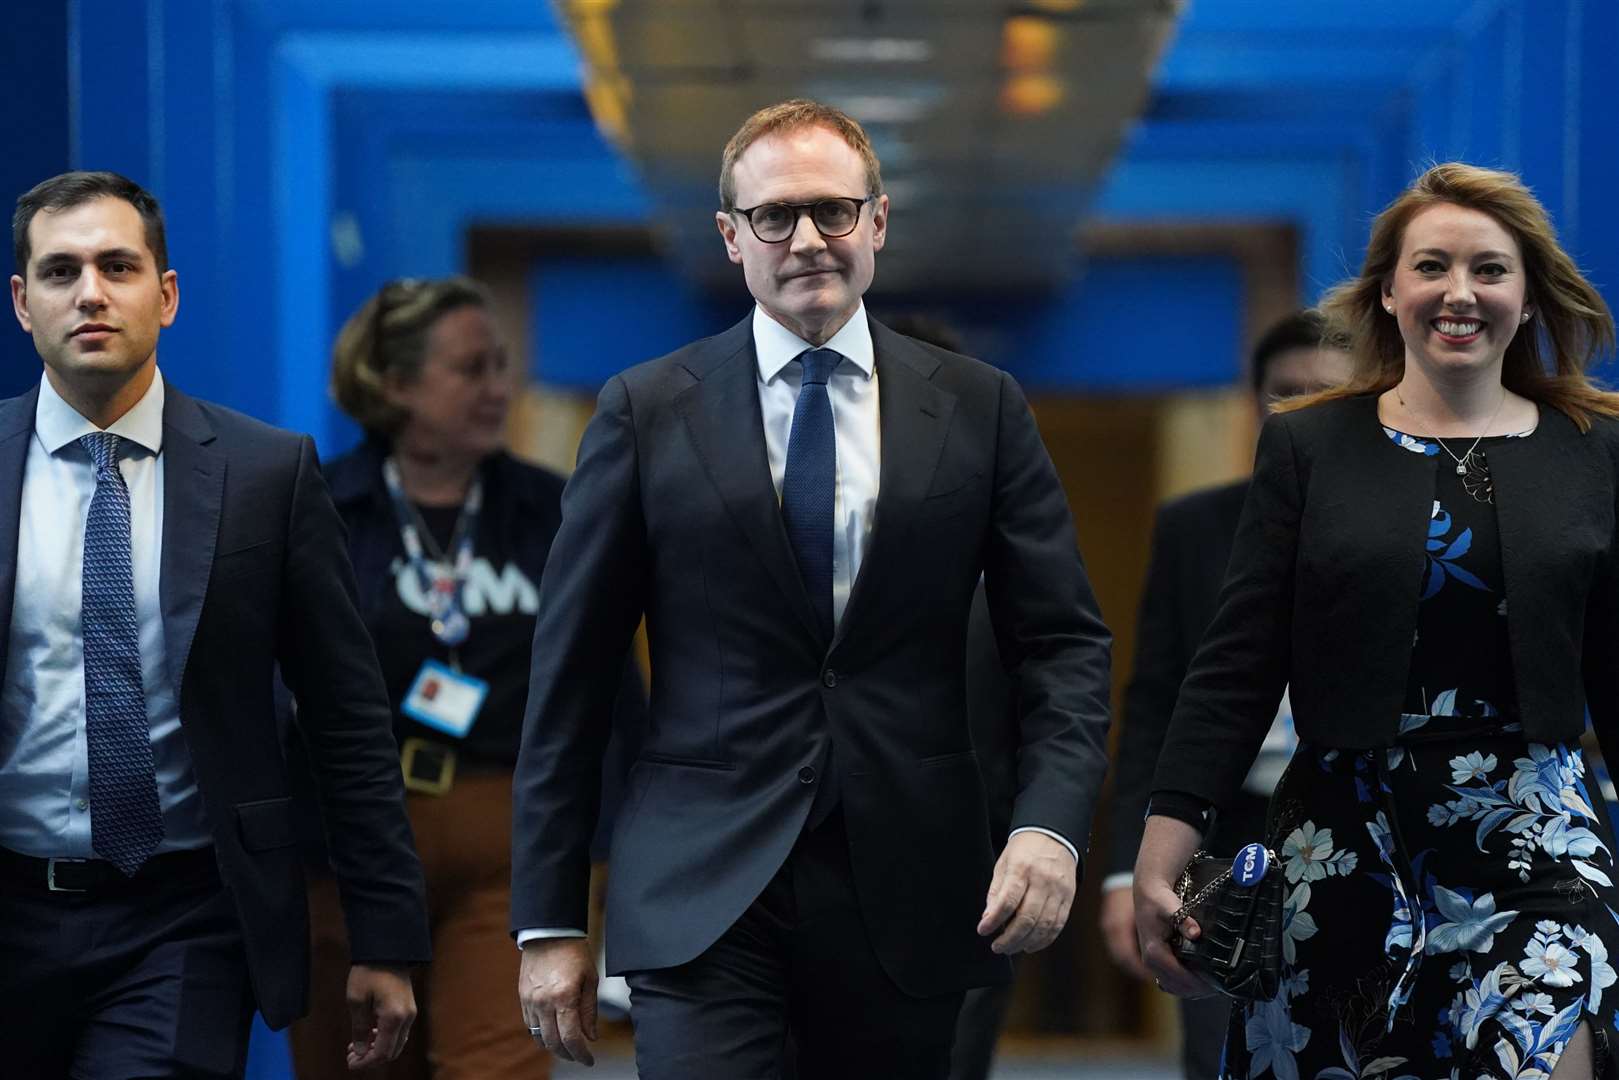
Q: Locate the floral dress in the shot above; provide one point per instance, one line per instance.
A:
(1450, 899)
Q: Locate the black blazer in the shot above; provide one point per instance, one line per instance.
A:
(254, 572)
(1191, 545)
(672, 513)
(1324, 578)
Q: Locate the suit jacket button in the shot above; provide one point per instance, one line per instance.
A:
(829, 678)
(806, 775)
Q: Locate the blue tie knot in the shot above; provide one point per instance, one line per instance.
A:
(818, 365)
(103, 447)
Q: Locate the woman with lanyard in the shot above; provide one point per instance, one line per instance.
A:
(449, 535)
(1428, 559)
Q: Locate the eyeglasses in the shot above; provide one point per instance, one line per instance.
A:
(773, 222)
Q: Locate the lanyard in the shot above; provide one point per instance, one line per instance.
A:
(441, 580)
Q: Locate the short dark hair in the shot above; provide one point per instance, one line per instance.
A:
(1301, 330)
(76, 188)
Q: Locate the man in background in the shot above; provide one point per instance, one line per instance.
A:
(1191, 545)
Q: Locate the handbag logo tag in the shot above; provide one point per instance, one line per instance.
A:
(1249, 867)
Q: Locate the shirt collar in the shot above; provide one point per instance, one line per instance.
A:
(57, 423)
(776, 346)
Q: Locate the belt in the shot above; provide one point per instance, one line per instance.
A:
(429, 767)
(95, 875)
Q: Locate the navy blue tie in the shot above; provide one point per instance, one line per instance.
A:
(809, 482)
(126, 824)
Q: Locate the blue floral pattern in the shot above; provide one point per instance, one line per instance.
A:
(1450, 898)
(1497, 969)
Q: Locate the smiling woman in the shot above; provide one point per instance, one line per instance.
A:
(1451, 893)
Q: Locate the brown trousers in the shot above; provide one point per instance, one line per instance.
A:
(469, 1023)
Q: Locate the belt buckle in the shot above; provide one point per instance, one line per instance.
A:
(50, 875)
(429, 767)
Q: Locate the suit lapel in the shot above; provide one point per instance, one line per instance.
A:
(16, 424)
(914, 419)
(722, 413)
(193, 493)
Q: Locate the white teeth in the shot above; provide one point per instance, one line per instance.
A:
(1457, 329)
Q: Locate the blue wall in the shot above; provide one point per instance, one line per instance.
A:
(307, 151)
(34, 56)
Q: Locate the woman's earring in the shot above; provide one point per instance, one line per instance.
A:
(1524, 317)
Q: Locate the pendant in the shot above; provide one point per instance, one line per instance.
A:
(1461, 467)
(452, 628)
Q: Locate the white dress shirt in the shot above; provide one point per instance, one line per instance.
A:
(44, 756)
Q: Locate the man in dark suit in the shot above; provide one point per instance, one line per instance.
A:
(804, 844)
(1191, 545)
(159, 556)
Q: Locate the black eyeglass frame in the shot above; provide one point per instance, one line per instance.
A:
(800, 209)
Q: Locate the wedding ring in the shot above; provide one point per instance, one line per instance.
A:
(535, 1031)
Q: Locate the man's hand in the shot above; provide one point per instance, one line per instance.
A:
(382, 1007)
(556, 987)
(1030, 894)
(1118, 923)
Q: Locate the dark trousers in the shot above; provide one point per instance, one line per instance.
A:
(978, 1030)
(137, 980)
(1204, 1022)
(795, 971)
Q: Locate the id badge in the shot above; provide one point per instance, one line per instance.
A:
(445, 699)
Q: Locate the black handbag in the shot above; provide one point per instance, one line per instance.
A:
(1237, 903)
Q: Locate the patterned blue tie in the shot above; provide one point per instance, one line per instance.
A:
(126, 824)
(808, 484)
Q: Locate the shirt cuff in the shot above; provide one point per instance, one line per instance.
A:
(1124, 879)
(538, 933)
(1047, 832)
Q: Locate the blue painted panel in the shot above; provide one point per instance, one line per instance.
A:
(1305, 192)
(417, 15)
(434, 201)
(595, 317)
(1595, 215)
(1137, 325)
(506, 61)
(1362, 17)
(1126, 325)
(114, 72)
(301, 195)
(34, 55)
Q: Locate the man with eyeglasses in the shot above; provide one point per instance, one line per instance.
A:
(802, 507)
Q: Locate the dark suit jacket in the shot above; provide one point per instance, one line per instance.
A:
(254, 572)
(1191, 544)
(672, 513)
(1321, 594)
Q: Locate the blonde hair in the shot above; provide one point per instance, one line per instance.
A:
(1547, 359)
(387, 338)
(791, 116)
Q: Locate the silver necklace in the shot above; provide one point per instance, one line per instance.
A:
(1461, 462)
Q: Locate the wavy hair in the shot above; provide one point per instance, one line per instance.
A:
(1547, 360)
(387, 338)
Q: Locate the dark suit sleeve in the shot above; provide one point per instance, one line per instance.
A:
(1162, 656)
(1051, 636)
(330, 665)
(1238, 673)
(590, 603)
(1600, 662)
